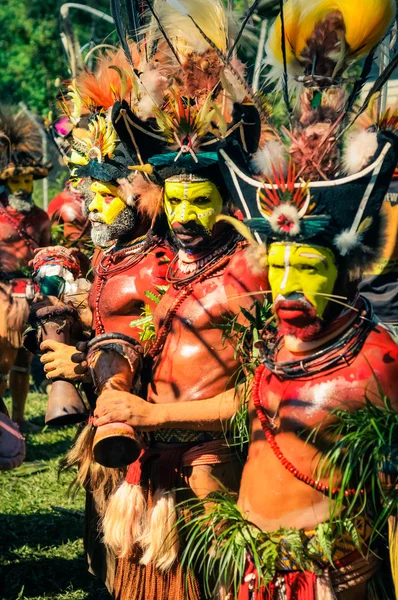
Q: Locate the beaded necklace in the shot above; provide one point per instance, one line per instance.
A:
(267, 426)
(190, 283)
(114, 262)
(192, 270)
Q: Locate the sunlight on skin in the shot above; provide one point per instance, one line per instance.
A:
(297, 267)
(106, 201)
(197, 201)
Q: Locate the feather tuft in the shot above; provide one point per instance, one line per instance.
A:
(359, 151)
(272, 153)
(347, 241)
(146, 196)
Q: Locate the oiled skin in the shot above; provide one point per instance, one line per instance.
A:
(270, 496)
(195, 362)
(123, 295)
(15, 251)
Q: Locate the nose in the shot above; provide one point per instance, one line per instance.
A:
(95, 204)
(187, 212)
(291, 283)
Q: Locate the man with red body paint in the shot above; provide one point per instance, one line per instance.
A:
(23, 228)
(330, 352)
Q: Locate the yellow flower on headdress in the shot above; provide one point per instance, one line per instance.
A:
(96, 142)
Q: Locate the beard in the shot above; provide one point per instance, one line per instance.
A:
(122, 227)
(191, 237)
(21, 201)
(302, 322)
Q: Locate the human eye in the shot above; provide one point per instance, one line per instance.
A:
(307, 268)
(276, 266)
(201, 200)
(174, 201)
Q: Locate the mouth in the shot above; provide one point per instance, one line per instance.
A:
(297, 313)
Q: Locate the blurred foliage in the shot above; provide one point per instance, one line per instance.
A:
(31, 52)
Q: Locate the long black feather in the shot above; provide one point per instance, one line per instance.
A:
(285, 81)
(134, 20)
(116, 12)
(376, 87)
(242, 27)
(162, 31)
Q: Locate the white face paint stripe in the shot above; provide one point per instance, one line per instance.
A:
(186, 188)
(287, 267)
(309, 255)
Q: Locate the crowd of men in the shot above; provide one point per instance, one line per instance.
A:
(214, 347)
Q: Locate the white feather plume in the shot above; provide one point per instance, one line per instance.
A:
(359, 151)
(272, 153)
(346, 241)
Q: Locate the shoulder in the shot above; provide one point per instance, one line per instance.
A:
(380, 352)
(242, 274)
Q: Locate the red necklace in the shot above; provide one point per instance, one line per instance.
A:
(267, 428)
(209, 271)
(107, 266)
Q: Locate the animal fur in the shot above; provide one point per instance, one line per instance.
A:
(271, 154)
(147, 196)
(100, 480)
(20, 139)
(257, 258)
(359, 151)
(124, 519)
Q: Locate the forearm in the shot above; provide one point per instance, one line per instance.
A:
(212, 414)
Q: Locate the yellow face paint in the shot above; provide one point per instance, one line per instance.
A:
(106, 201)
(197, 201)
(20, 183)
(307, 270)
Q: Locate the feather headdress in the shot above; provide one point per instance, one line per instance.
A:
(323, 37)
(20, 145)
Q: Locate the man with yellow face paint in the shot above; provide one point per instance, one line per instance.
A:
(328, 357)
(302, 279)
(23, 228)
(191, 208)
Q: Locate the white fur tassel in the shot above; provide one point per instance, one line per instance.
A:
(272, 153)
(346, 241)
(160, 540)
(359, 151)
(123, 522)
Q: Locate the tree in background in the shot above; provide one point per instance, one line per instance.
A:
(31, 53)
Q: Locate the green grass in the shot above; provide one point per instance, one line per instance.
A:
(41, 528)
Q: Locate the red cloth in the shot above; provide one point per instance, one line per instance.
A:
(299, 585)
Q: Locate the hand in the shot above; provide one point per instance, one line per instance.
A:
(62, 361)
(122, 407)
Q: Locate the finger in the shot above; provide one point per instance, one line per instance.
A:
(78, 357)
(81, 346)
(101, 421)
(81, 369)
(50, 345)
(49, 367)
(55, 374)
(47, 357)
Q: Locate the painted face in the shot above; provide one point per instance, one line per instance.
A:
(191, 208)
(301, 278)
(20, 184)
(106, 205)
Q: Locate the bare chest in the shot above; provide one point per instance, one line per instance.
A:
(202, 309)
